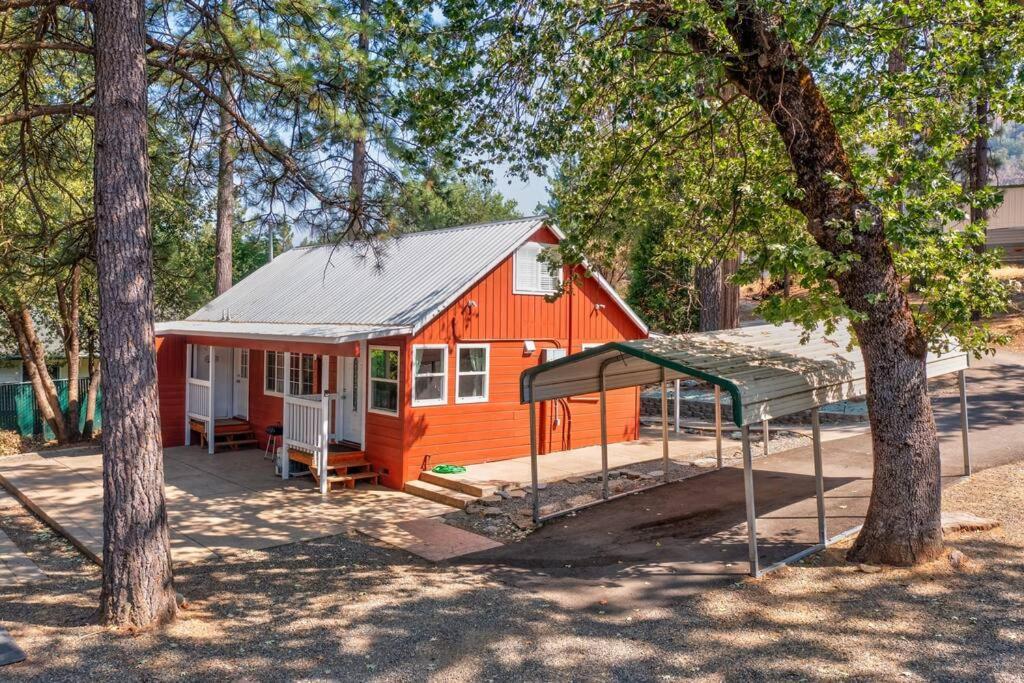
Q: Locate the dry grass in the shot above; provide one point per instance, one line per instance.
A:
(11, 443)
(1009, 272)
(346, 609)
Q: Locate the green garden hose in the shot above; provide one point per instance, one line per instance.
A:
(448, 469)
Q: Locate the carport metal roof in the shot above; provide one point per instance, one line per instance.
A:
(769, 371)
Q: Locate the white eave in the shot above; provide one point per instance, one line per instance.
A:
(280, 332)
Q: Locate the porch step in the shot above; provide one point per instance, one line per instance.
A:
(439, 494)
(448, 482)
(353, 476)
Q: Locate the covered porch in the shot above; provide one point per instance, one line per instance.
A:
(300, 398)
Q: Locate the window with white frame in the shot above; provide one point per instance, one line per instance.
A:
(384, 377)
(430, 375)
(533, 275)
(273, 376)
(301, 377)
(472, 372)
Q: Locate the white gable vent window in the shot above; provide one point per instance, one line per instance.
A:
(531, 274)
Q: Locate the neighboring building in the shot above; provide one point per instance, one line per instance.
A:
(419, 354)
(1006, 224)
(12, 369)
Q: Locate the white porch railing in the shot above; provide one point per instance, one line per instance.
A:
(303, 421)
(307, 423)
(198, 398)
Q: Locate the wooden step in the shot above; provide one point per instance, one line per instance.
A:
(450, 481)
(237, 442)
(439, 494)
(332, 458)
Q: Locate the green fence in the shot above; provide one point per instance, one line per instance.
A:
(18, 411)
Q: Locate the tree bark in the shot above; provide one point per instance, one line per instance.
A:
(357, 190)
(33, 357)
(89, 427)
(69, 305)
(709, 290)
(138, 585)
(903, 522)
(730, 295)
(225, 188)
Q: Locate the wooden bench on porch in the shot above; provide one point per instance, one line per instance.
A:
(232, 433)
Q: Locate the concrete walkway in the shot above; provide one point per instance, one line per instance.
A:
(218, 505)
(646, 551)
(16, 568)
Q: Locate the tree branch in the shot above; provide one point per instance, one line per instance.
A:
(47, 110)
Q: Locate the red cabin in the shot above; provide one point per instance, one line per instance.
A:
(409, 357)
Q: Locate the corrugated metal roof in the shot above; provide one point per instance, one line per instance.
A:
(326, 334)
(414, 277)
(765, 368)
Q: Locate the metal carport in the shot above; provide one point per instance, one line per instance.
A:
(769, 371)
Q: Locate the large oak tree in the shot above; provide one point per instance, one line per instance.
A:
(874, 192)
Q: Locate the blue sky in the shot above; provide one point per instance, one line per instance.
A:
(527, 194)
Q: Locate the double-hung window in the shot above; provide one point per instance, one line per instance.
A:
(301, 376)
(430, 375)
(384, 377)
(472, 373)
(273, 376)
(532, 274)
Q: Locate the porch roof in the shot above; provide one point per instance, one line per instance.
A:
(769, 371)
(281, 332)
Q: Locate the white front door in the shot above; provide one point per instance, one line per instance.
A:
(241, 383)
(350, 400)
(223, 391)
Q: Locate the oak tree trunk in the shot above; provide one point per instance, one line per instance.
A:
(709, 291)
(903, 522)
(33, 358)
(89, 427)
(730, 295)
(138, 585)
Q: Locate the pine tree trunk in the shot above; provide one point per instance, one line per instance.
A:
(69, 303)
(225, 188)
(709, 290)
(138, 585)
(903, 522)
(357, 190)
(33, 357)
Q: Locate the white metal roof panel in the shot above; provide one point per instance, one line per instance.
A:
(410, 280)
(765, 368)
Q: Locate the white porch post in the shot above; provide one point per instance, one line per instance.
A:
(325, 419)
(675, 404)
(285, 460)
(188, 408)
(211, 424)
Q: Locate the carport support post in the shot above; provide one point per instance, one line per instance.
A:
(675, 404)
(748, 494)
(188, 408)
(664, 426)
(533, 457)
(964, 435)
(718, 425)
(286, 461)
(819, 481)
(764, 438)
(604, 431)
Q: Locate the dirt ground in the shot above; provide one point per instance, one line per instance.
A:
(345, 609)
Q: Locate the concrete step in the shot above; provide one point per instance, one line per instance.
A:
(438, 494)
(451, 482)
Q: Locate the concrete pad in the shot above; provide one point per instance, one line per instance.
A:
(10, 653)
(15, 566)
(430, 539)
(217, 505)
